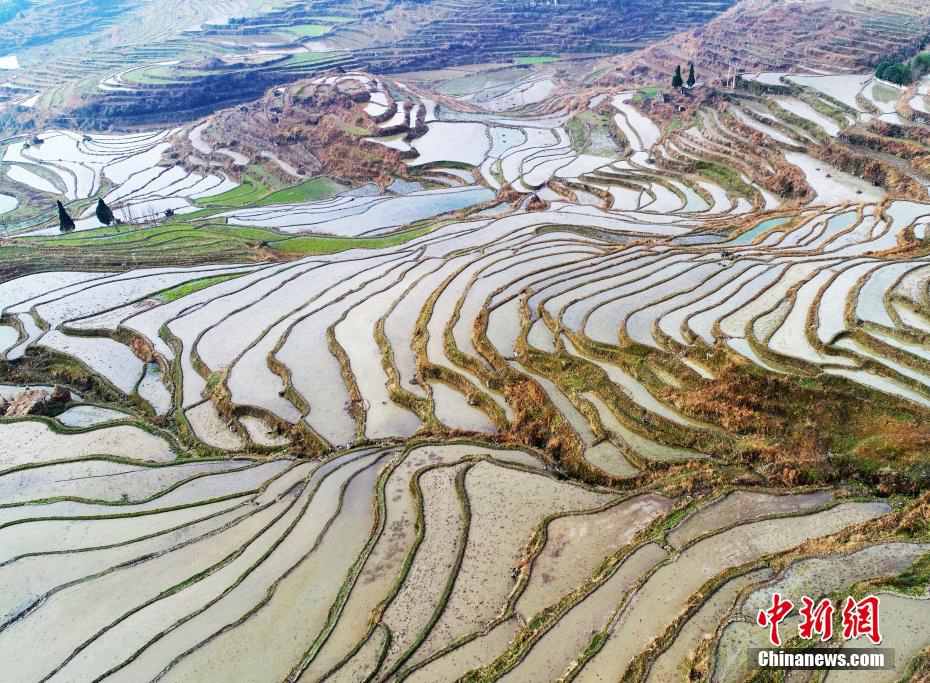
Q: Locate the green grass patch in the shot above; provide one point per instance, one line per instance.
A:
(120, 248)
(140, 240)
(672, 520)
(589, 133)
(199, 214)
(829, 110)
(914, 581)
(258, 183)
(647, 93)
(249, 191)
(151, 75)
(115, 234)
(724, 176)
(307, 191)
(675, 124)
(578, 133)
(885, 93)
(186, 288)
(523, 61)
(259, 189)
(309, 58)
(792, 119)
(320, 244)
(245, 233)
(160, 75)
(309, 30)
(332, 19)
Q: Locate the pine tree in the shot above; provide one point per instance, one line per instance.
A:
(691, 79)
(677, 81)
(104, 213)
(65, 222)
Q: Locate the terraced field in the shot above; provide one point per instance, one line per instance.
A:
(147, 62)
(120, 168)
(561, 390)
(843, 37)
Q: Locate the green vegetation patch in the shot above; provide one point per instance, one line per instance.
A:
(110, 236)
(647, 93)
(904, 72)
(322, 244)
(522, 61)
(829, 110)
(249, 191)
(912, 582)
(123, 248)
(192, 286)
(895, 72)
(308, 191)
(332, 19)
(724, 176)
(258, 188)
(164, 74)
(309, 57)
(589, 132)
(310, 30)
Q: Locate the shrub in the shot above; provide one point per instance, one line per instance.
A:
(895, 72)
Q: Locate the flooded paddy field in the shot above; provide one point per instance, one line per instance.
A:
(527, 387)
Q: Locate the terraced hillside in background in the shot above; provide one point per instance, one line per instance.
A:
(143, 62)
(548, 384)
(771, 35)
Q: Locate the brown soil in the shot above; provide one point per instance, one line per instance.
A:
(313, 127)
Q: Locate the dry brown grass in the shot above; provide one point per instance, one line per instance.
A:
(895, 441)
(738, 401)
(537, 423)
(811, 430)
(318, 133)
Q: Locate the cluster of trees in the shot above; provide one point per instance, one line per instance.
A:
(66, 222)
(903, 73)
(895, 72)
(678, 82)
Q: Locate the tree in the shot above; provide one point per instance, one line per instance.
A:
(104, 212)
(691, 79)
(921, 64)
(65, 222)
(677, 81)
(898, 73)
(882, 68)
